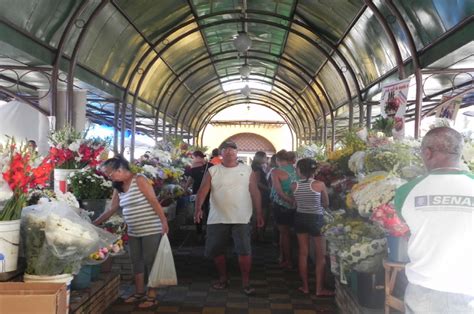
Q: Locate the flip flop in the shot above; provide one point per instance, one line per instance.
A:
(148, 302)
(134, 298)
(220, 285)
(300, 289)
(248, 290)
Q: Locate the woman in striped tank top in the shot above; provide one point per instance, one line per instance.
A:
(311, 197)
(145, 219)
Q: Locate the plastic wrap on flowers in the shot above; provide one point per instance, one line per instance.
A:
(364, 257)
(56, 239)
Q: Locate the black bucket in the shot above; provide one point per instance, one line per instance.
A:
(371, 289)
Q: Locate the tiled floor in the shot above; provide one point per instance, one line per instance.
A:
(276, 289)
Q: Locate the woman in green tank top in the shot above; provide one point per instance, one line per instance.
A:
(283, 203)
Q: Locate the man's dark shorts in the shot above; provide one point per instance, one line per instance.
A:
(217, 237)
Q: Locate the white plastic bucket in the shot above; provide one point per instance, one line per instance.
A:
(65, 278)
(60, 179)
(9, 244)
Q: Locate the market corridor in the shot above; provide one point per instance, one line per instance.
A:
(276, 289)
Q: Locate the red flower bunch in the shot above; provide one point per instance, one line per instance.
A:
(21, 175)
(326, 173)
(388, 218)
(70, 150)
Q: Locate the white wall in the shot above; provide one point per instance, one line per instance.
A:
(24, 123)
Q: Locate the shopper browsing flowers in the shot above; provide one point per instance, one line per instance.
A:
(145, 219)
(311, 199)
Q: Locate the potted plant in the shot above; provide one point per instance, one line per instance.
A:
(92, 189)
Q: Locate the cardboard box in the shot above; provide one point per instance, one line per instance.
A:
(37, 298)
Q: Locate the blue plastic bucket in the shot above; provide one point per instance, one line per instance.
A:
(95, 271)
(83, 279)
(397, 249)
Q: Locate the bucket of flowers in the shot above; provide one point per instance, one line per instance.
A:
(397, 232)
(91, 188)
(354, 244)
(70, 150)
(21, 172)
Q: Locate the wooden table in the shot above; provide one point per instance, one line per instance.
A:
(391, 271)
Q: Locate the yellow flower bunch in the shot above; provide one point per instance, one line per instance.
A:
(340, 153)
(367, 180)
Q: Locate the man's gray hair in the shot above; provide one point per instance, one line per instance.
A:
(445, 140)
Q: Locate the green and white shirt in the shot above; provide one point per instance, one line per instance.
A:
(439, 209)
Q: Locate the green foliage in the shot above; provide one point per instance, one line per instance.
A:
(384, 125)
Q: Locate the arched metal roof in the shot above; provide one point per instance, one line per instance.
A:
(169, 62)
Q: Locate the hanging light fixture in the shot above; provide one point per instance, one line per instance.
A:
(244, 70)
(242, 42)
(246, 91)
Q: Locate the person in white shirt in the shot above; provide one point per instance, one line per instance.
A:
(439, 209)
(234, 190)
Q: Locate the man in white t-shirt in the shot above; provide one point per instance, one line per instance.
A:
(234, 190)
(439, 209)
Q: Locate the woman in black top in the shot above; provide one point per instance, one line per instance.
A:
(259, 165)
(195, 174)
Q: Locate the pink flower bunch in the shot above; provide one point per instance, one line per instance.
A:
(388, 218)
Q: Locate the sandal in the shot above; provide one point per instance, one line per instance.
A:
(148, 302)
(220, 285)
(134, 298)
(248, 290)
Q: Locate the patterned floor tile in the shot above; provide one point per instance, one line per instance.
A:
(276, 289)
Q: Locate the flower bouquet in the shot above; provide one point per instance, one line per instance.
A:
(316, 151)
(18, 176)
(98, 257)
(386, 216)
(356, 243)
(400, 157)
(116, 225)
(374, 191)
(350, 143)
(71, 150)
(169, 193)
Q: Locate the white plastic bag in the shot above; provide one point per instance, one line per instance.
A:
(163, 272)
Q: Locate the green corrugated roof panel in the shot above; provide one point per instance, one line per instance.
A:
(154, 20)
(329, 18)
(333, 85)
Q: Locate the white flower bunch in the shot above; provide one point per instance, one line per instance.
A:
(63, 232)
(375, 194)
(68, 198)
(162, 155)
(356, 162)
(312, 151)
(151, 171)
